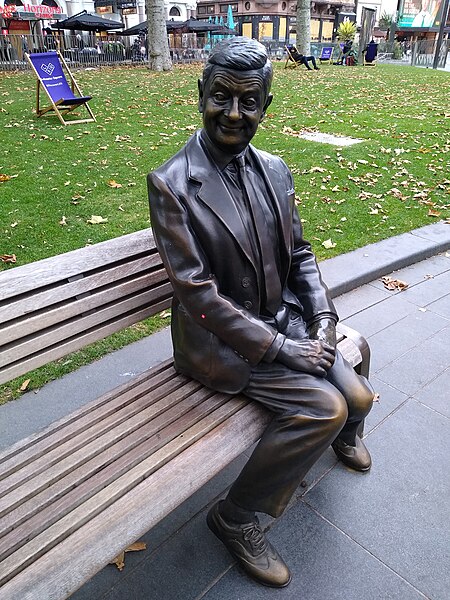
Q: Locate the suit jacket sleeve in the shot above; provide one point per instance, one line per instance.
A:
(194, 285)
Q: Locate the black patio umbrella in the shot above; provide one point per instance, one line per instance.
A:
(195, 26)
(83, 21)
(142, 28)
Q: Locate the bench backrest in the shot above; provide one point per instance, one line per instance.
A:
(58, 305)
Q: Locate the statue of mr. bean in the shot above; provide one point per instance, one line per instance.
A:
(250, 311)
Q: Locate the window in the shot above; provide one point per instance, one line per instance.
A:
(224, 8)
(247, 6)
(205, 9)
(174, 12)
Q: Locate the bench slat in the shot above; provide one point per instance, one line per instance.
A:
(171, 424)
(87, 442)
(165, 370)
(117, 453)
(82, 340)
(54, 316)
(70, 328)
(91, 413)
(20, 280)
(62, 570)
(109, 495)
(67, 288)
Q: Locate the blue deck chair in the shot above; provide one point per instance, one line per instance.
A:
(370, 54)
(326, 54)
(49, 69)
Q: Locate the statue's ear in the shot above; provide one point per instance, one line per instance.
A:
(266, 106)
(200, 96)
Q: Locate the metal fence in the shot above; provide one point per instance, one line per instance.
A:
(87, 50)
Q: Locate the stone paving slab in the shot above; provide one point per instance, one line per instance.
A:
(326, 564)
(399, 511)
(421, 365)
(404, 335)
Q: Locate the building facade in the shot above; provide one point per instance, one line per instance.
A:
(274, 21)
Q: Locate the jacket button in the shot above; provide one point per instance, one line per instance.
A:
(245, 282)
(248, 305)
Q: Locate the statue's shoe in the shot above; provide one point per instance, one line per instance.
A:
(248, 545)
(356, 457)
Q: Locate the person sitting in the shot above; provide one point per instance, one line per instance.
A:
(348, 56)
(302, 59)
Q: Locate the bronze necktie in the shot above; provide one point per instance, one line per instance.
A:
(270, 273)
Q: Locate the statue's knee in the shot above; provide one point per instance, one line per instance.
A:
(363, 400)
(336, 410)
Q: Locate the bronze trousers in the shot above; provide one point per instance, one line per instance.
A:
(309, 413)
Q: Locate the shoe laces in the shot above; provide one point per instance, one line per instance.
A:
(254, 536)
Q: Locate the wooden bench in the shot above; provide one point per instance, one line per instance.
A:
(74, 495)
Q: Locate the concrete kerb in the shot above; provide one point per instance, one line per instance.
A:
(348, 271)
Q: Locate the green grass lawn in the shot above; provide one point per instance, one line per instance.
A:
(57, 177)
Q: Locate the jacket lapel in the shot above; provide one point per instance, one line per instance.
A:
(276, 185)
(214, 193)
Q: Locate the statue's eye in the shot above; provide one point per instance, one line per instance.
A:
(219, 97)
(249, 102)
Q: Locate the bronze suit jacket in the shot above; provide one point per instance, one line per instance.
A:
(217, 332)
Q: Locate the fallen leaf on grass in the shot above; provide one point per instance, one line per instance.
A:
(24, 385)
(394, 284)
(328, 244)
(8, 258)
(433, 213)
(96, 219)
(63, 221)
(113, 184)
(165, 314)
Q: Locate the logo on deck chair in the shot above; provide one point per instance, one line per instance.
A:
(48, 68)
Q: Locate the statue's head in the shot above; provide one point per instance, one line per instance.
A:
(235, 92)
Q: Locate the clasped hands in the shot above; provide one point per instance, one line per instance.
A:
(315, 355)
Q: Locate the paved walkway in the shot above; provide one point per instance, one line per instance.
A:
(381, 535)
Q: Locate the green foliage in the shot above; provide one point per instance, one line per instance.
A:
(346, 31)
(385, 21)
(394, 181)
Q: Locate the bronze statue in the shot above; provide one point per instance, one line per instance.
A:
(250, 312)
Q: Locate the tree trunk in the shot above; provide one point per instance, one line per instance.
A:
(304, 27)
(158, 45)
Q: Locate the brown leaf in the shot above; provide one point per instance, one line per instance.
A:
(113, 184)
(433, 213)
(63, 221)
(4, 177)
(394, 284)
(328, 244)
(24, 385)
(8, 258)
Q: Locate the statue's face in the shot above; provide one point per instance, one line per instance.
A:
(233, 104)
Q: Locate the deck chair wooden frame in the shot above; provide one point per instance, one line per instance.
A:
(289, 59)
(326, 59)
(65, 105)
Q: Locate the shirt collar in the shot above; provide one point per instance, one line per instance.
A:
(220, 159)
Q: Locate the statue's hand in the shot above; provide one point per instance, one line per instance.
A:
(323, 330)
(309, 356)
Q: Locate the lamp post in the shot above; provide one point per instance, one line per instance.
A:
(441, 33)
